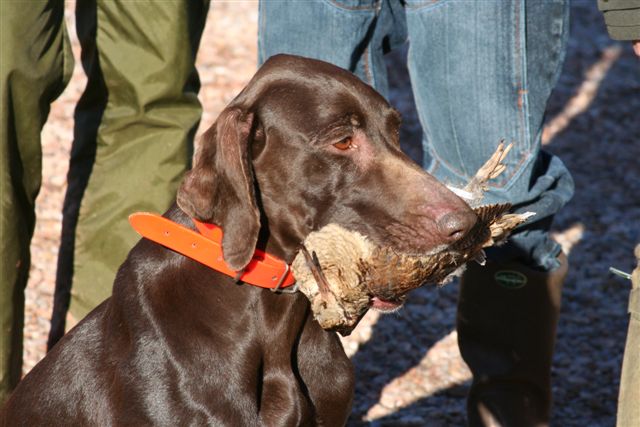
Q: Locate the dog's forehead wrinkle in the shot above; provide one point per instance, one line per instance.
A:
(321, 112)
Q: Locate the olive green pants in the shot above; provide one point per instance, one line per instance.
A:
(35, 65)
(133, 133)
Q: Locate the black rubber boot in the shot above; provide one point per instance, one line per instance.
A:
(507, 317)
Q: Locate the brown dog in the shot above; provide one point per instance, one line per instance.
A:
(303, 145)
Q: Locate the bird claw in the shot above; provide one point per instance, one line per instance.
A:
(492, 168)
(480, 257)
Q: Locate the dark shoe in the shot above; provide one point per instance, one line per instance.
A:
(507, 317)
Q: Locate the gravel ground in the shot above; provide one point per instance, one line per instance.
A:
(409, 371)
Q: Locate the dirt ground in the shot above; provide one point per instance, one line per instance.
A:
(409, 371)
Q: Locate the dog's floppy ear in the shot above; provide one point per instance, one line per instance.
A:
(220, 187)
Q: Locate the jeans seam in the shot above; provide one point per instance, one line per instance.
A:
(523, 98)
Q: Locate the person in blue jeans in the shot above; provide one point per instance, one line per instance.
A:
(481, 72)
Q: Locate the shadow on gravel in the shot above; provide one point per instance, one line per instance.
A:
(414, 415)
(593, 119)
(399, 342)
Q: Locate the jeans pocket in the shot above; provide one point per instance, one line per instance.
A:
(355, 4)
(423, 4)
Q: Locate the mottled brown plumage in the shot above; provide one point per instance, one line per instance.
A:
(341, 271)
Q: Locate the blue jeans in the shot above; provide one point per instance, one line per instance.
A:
(481, 71)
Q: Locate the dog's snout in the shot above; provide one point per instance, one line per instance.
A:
(453, 226)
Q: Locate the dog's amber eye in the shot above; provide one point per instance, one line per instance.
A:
(344, 144)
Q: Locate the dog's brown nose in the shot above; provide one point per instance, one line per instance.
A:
(453, 226)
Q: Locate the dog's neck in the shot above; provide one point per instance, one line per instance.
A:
(282, 240)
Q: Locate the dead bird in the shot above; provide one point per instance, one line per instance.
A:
(344, 274)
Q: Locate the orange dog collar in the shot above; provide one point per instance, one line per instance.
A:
(264, 270)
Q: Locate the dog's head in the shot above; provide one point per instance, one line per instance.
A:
(306, 144)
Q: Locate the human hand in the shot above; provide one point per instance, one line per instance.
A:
(636, 47)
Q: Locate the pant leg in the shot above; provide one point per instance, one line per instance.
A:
(35, 65)
(133, 136)
(348, 33)
(482, 72)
